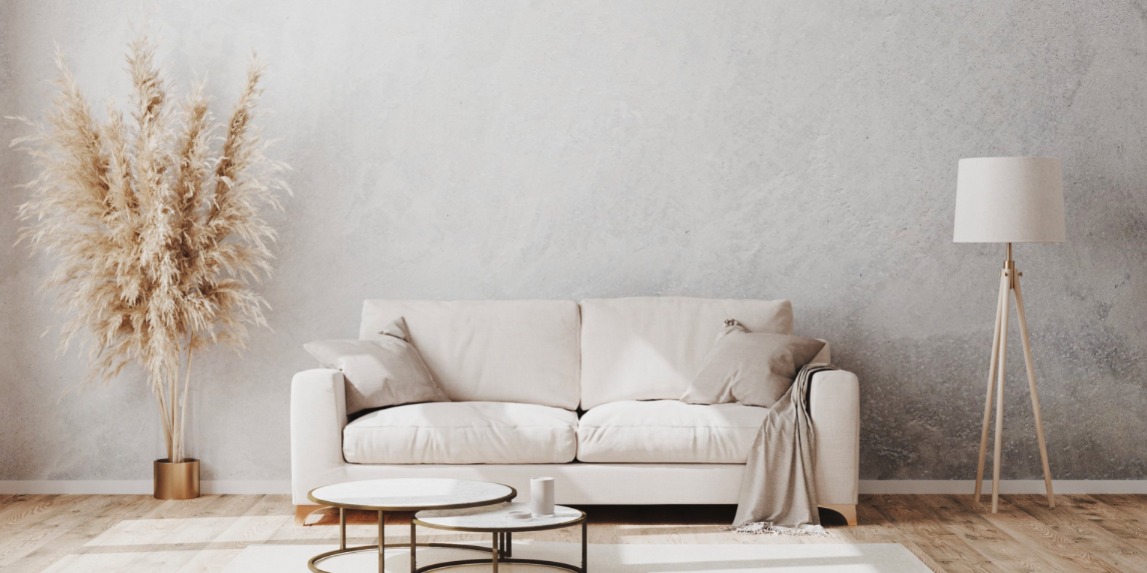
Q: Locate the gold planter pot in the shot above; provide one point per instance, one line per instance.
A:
(176, 481)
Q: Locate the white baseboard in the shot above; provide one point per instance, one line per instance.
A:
(866, 486)
(1006, 486)
(139, 487)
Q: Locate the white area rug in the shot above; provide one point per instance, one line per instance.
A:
(631, 558)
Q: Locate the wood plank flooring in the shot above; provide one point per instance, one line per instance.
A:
(94, 533)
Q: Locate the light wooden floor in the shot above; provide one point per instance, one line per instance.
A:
(950, 533)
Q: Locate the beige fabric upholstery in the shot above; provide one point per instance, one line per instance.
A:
(668, 431)
(824, 356)
(318, 418)
(577, 484)
(834, 405)
(750, 368)
(318, 415)
(379, 373)
(463, 433)
(496, 351)
(651, 348)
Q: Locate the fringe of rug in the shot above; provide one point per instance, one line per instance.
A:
(766, 528)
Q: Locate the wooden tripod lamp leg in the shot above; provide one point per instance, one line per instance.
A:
(1034, 393)
(991, 386)
(1003, 368)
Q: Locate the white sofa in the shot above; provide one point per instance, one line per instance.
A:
(520, 373)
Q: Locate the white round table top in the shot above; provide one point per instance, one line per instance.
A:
(411, 494)
(497, 518)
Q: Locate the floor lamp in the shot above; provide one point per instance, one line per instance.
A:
(1009, 200)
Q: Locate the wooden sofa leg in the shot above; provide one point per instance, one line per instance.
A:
(847, 510)
(302, 511)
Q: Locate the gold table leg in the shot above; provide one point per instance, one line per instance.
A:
(584, 546)
(495, 552)
(342, 528)
(382, 542)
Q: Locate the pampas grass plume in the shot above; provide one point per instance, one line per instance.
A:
(153, 221)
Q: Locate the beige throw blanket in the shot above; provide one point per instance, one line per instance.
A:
(778, 488)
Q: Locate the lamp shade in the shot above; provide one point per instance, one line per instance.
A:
(1009, 200)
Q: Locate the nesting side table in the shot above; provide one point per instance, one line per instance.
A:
(385, 495)
(496, 521)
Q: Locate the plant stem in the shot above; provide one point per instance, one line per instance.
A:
(166, 427)
(186, 384)
(173, 401)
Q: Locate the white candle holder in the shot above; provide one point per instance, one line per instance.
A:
(542, 496)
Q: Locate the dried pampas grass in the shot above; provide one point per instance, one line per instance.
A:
(154, 224)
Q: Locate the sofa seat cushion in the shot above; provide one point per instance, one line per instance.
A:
(668, 431)
(462, 433)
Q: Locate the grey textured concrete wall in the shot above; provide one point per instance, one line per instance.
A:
(793, 150)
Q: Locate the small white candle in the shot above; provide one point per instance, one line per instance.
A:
(542, 496)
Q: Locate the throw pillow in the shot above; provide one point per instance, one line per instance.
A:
(750, 368)
(380, 373)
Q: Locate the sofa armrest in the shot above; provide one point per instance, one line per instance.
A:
(318, 416)
(834, 404)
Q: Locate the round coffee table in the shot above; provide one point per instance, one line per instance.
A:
(383, 495)
(497, 521)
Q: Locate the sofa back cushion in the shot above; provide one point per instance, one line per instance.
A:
(650, 348)
(491, 350)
